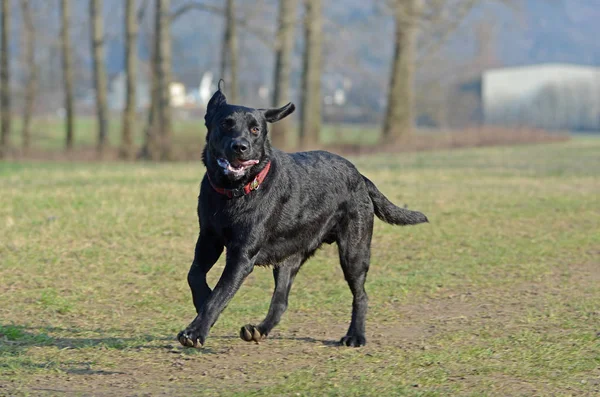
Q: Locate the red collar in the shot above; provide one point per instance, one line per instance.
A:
(242, 191)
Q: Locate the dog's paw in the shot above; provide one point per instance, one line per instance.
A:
(250, 333)
(353, 340)
(189, 338)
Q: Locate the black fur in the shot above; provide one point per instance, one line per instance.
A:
(307, 199)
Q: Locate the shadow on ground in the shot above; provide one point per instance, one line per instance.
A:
(15, 338)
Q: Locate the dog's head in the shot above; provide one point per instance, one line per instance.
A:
(236, 138)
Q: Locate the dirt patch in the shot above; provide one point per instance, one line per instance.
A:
(471, 309)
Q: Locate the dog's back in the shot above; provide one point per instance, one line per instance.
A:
(325, 178)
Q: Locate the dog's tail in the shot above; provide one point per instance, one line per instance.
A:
(390, 213)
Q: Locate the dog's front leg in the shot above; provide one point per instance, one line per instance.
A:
(207, 252)
(237, 268)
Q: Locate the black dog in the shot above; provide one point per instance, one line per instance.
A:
(272, 208)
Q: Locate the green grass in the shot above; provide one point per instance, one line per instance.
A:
(498, 295)
(48, 134)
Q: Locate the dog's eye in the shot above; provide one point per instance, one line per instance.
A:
(255, 130)
(227, 124)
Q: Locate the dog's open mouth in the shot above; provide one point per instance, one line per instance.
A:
(236, 167)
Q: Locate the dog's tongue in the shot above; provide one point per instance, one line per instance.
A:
(235, 166)
(246, 163)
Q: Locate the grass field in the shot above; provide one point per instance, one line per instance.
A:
(48, 134)
(499, 295)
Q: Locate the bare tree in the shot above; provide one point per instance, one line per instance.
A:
(131, 32)
(399, 115)
(67, 71)
(162, 74)
(5, 79)
(157, 133)
(29, 63)
(310, 118)
(283, 66)
(229, 51)
(99, 73)
(150, 147)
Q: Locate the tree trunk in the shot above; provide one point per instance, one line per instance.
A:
(99, 73)
(67, 71)
(28, 62)
(229, 53)
(310, 119)
(150, 148)
(128, 127)
(5, 80)
(163, 76)
(399, 115)
(283, 67)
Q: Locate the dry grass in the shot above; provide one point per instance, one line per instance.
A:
(472, 137)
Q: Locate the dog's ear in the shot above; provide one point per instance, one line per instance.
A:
(218, 99)
(273, 115)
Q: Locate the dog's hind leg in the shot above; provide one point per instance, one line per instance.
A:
(208, 250)
(284, 275)
(354, 247)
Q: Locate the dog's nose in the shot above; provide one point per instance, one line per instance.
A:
(239, 146)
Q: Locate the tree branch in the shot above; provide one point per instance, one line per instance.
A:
(461, 12)
(196, 6)
(262, 35)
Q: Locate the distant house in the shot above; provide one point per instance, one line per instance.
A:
(549, 96)
(177, 92)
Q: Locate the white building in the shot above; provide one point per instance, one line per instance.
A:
(549, 96)
(177, 93)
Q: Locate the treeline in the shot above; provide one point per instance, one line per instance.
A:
(158, 127)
